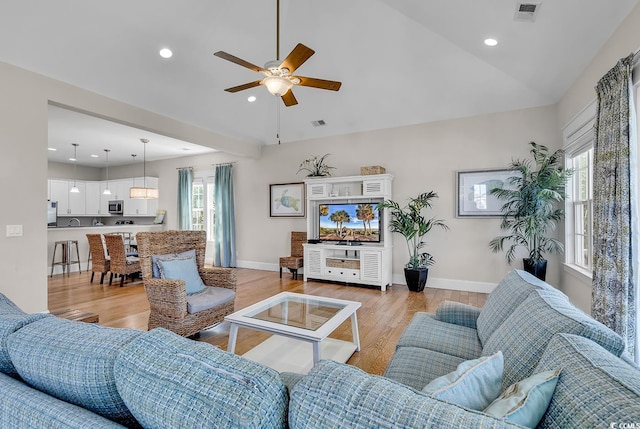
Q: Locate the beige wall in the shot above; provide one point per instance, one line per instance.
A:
(625, 40)
(422, 158)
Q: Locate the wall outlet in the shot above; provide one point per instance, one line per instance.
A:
(14, 230)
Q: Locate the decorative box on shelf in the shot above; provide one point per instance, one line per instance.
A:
(353, 264)
(372, 169)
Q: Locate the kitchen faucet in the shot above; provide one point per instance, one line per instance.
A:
(72, 219)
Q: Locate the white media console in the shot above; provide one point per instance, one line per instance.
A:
(367, 263)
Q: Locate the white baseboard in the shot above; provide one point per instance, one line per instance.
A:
(265, 266)
(452, 284)
(434, 282)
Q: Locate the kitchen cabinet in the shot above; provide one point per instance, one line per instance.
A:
(96, 203)
(69, 204)
(90, 201)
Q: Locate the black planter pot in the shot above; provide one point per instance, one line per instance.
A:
(416, 278)
(536, 267)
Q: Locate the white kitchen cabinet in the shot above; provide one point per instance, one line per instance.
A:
(91, 201)
(120, 188)
(60, 193)
(69, 204)
(97, 204)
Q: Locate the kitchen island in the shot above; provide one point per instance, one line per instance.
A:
(79, 233)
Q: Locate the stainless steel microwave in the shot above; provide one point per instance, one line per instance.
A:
(116, 207)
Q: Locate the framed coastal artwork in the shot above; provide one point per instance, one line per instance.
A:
(474, 192)
(287, 200)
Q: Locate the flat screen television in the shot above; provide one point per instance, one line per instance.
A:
(355, 222)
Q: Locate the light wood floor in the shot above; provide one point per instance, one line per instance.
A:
(381, 319)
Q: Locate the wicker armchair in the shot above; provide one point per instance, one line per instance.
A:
(100, 263)
(296, 260)
(168, 298)
(121, 264)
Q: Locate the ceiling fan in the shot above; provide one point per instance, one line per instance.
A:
(279, 79)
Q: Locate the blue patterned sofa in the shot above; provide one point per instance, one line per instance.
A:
(534, 326)
(55, 373)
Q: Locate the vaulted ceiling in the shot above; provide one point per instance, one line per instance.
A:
(400, 62)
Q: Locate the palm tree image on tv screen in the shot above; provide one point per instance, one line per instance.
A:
(349, 222)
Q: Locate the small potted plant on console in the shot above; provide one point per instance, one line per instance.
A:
(410, 222)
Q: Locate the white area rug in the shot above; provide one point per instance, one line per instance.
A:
(286, 354)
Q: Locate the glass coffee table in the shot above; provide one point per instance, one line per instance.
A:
(300, 317)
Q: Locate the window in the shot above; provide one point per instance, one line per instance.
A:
(203, 206)
(581, 208)
(197, 209)
(578, 145)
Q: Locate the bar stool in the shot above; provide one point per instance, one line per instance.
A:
(67, 247)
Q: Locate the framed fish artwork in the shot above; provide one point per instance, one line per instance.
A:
(474, 192)
(287, 200)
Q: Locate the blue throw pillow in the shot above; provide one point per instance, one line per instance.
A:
(183, 269)
(526, 401)
(155, 258)
(474, 384)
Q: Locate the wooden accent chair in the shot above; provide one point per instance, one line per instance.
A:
(100, 262)
(167, 297)
(121, 264)
(296, 260)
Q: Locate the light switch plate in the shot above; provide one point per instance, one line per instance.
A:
(14, 230)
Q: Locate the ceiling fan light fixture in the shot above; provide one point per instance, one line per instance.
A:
(277, 85)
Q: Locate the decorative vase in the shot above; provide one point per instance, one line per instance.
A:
(416, 278)
(536, 267)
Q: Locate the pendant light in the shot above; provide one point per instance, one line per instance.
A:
(75, 189)
(143, 193)
(107, 191)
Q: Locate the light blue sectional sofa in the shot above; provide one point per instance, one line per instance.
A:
(55, 373)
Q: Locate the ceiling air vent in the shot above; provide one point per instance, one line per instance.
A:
(318, 123)
(527, 11)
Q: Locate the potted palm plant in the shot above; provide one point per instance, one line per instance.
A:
(410, 222)
(532, 208)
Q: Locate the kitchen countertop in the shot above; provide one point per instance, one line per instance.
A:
(126, 225)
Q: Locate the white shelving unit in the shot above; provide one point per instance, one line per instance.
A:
(365, 263)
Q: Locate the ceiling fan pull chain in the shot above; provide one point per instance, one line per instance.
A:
(278, 120)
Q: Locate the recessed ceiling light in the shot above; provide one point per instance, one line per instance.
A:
(251, 98)
(72, 159)
(166, 53)
(490, 42)
(52, 149)
(94, 156)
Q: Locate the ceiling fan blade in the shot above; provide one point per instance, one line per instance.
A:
(244, 86)
(240, 62)
(331, 85)
(289, 99)
(299, 55)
